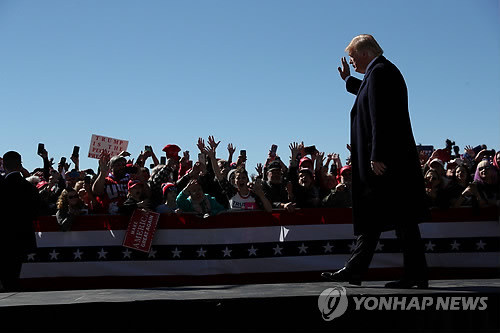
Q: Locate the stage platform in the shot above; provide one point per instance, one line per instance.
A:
(254, 307)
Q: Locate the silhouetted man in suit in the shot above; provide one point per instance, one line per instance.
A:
(388, 190)
(19, 205)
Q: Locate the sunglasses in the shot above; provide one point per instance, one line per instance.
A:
(484, 168)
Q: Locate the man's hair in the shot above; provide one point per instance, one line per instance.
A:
(116, 159)
(366, 43)
(12, 161)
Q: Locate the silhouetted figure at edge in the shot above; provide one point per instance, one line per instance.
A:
(19, 206)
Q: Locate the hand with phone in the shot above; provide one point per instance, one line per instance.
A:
(42, 152)
(75, 157)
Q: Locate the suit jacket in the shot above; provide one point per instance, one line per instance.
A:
(381, 131)
(19, 206)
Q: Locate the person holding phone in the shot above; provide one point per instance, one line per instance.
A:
(240, 196)
(383, 155)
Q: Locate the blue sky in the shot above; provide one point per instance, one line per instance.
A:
(252, 73)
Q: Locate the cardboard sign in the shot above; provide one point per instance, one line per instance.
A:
(113, 146)
(141, 230)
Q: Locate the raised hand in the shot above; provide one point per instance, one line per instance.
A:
(201, 145)
(231, 149)
(259, 169)
(212, 143)
(345, 71)
(470, 151)
(104, 159)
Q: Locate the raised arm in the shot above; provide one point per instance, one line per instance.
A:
(99, 184)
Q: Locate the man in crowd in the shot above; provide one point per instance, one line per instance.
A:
(111, 185)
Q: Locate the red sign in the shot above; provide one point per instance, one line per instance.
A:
(141, 230)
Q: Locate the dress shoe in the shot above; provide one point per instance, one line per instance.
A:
(408, 284)
(342, 275)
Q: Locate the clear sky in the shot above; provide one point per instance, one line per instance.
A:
(252, 73)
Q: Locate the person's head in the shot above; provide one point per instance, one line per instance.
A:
(486, 173)
(72, 178)
(438, 165)
(361, 50)
(224, 167)
(135, 189)
(54, 177)
(432, 179)
(196, 193)
(143, 174)
(12, 161)
(331, 181)
(169, 191)
(306, 177)
(231, 177)
(346, 174)
(173, 163)
(274, 173)
(82, 189)
(69, 197)
(306, 162)
(118, 165)
(241, 178)
(461, 173)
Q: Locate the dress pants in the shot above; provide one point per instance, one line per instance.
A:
(415, 264)
(10, 269)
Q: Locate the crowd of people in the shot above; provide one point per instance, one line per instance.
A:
(212, 185)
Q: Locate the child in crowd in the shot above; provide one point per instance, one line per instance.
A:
(135, 198)
(170, 199)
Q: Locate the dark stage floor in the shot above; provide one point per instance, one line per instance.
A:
(257, 307)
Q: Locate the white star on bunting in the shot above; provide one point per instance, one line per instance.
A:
(252, 251)
(78, 254)
(328, 247)
(429, 246)
(53, 255)
(277, 249)
(102, 254)
(303, 248)
(127, 254)
(152, 253)
(455, 245)
(201, 252)
(480, 245)
(227, 252)
(176, 253)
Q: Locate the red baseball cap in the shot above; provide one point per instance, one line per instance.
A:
(172, 151)
(132, 183)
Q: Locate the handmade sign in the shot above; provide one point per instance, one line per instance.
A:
(99, 143)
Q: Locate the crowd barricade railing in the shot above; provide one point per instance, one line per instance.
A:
(249, 247)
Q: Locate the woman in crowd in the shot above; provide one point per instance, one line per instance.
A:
(192, 200)
(459, 182)
(434, 189)
(69, 206)
(485, 188)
